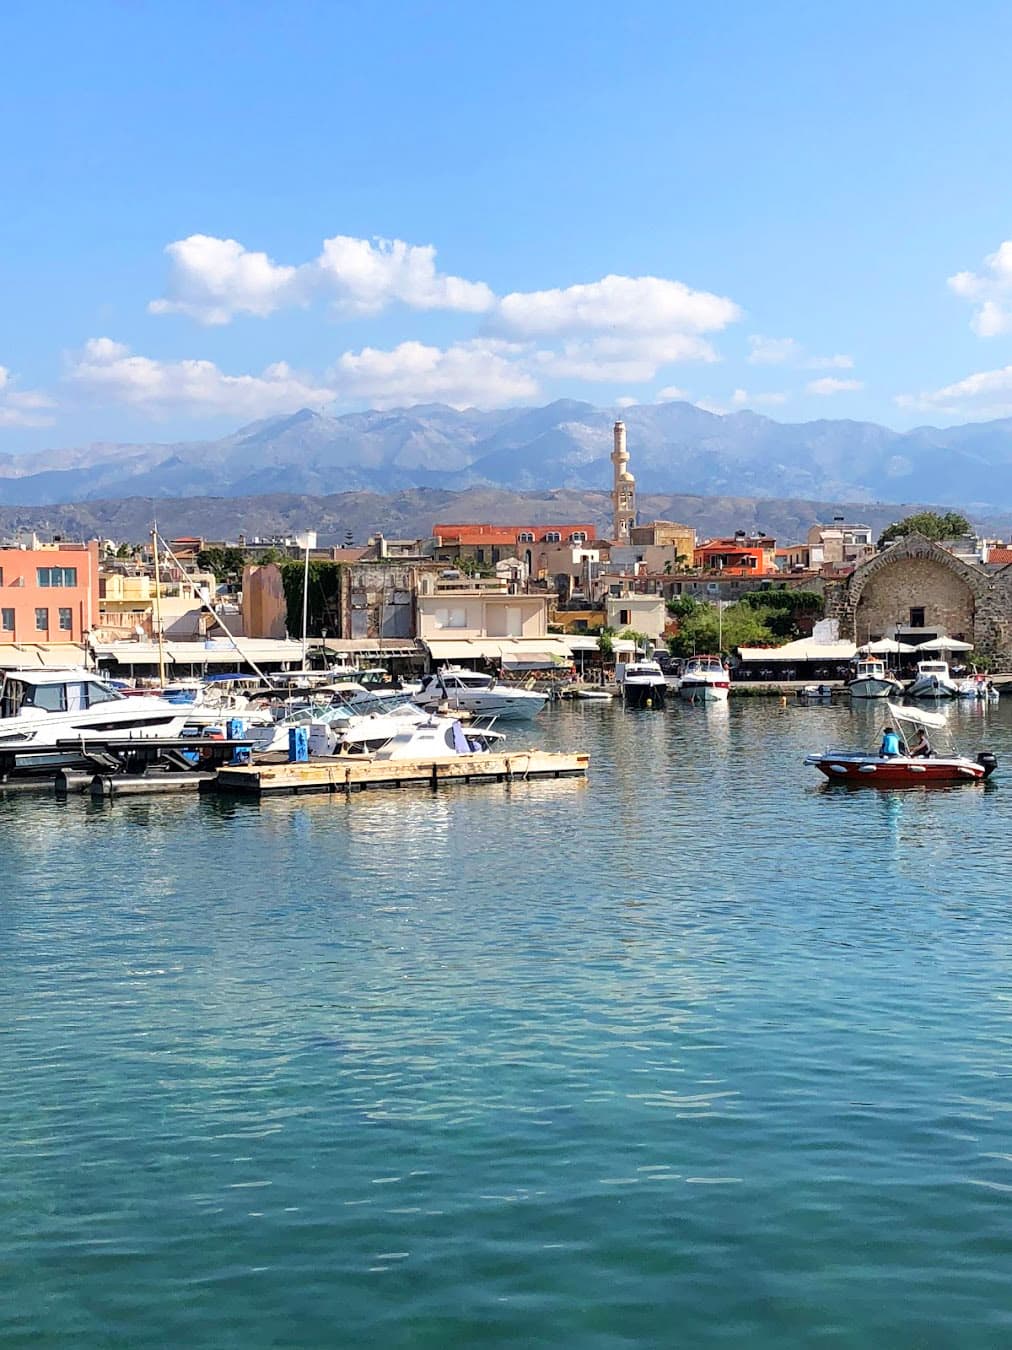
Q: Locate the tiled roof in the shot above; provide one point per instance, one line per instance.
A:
(999, 555)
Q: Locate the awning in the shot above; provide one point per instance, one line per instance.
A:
(41, 656)
(375, 648)
(511, 651)
(804, 649)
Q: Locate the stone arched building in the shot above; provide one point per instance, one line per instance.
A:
(915, 587)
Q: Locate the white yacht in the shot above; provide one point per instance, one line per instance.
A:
(705, 679)
(872, 680)
(38, 708)
(481, 695)
(643, 683)
(933, 681)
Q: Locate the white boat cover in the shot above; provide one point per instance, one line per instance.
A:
(917, 716)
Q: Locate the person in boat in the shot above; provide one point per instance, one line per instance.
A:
(920, 746)
(890, 747)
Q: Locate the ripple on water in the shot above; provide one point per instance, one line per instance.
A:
(693, 1045)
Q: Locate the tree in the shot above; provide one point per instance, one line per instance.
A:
(606, 644)
(948, 525)
(707, 630)
(324, 608)
(684, 606)
(225, 564)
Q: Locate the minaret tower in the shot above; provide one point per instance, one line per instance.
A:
(623, 492)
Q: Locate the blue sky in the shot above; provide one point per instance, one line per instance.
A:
(795, 208)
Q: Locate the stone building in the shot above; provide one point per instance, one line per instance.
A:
(916, 590)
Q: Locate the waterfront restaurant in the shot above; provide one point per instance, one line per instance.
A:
(804, 659)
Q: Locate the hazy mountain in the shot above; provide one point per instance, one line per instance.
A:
(412, 514)
(673, 446)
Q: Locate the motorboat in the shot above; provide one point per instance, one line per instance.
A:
(871, 679)
(479, 694)
(816, 693)
(705, 679)
(932, 681)
(642, 683)
(590, 693)
(39, 708)
(409, 733)
(904, 769)
(977, 687)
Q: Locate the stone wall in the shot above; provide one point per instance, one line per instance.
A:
(958, 598)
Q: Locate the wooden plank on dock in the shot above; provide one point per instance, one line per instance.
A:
(342, 773)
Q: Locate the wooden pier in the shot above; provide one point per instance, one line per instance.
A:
(347, 774)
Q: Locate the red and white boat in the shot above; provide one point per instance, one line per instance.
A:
(858, 767)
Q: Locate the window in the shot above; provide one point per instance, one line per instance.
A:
(525, 537)
(66, 620)
(625, 616)
(553, 537)
(917, 617)
(56, 576)
(451, 618)
(578, 537)
(49, 696)
(7, 620)
(42, 620)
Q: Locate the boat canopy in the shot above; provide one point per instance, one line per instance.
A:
(917, 716)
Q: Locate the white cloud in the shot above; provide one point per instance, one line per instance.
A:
(22, 407)
(767, 351)
(671, 394)
(828, 386)
(631, 305)
(622, 359)
(988, 393)
(107, 369)
(212, 280)
(707, 405)
(626, 401)
(741, 398)
(990, 291)
(365, 276)
(477, 373)
(838, 362)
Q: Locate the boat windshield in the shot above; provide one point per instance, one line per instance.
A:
(54, 695)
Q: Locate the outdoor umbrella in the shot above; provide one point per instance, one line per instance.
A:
(884, 646)
(945, 644)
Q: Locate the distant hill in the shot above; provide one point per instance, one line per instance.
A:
(673, 447)
(413, 512)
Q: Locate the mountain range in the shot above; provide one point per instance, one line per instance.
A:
(674, 447)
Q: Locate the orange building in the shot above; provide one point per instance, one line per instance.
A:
(751, 555)
(48, 593)
(491, 543)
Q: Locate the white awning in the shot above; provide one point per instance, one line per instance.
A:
(41, 656)
(804, 649)
(498, 649)
(918, 716)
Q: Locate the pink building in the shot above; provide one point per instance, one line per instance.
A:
(48, 593)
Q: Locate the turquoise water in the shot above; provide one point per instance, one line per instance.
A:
(696, 1053)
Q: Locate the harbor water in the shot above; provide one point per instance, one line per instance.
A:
(698, 1052)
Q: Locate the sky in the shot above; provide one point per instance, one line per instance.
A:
(213, 213)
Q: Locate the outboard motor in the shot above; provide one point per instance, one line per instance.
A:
(988, 762)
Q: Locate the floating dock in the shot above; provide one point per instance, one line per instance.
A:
(347, 774)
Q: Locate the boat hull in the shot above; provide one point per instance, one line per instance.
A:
(900, 771)
(644, 695)
(704, 691)
(873, 687)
